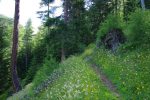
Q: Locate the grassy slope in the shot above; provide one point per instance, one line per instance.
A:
(78, 82)
(129, 71)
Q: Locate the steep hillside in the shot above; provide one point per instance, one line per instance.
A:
(129, 71)
(73, 80)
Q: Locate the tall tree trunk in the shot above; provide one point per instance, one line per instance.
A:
(143, 4)
(48, 13)
(116, 6)
(123, 7)
(15, 79)
(62, 53)
(66, 11)
(66, 20)
(26, 58)
(48, 9)
(48, 30)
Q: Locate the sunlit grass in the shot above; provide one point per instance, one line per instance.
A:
(129, 71)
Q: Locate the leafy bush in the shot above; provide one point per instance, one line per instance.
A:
(46, 70)
(138, 28)
(34, 67)
(112, 22)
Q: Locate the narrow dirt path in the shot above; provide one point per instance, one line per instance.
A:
(103, 78)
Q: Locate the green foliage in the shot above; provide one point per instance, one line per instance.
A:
(147, 4)
(79, 82)
(75, 78)
(128, 71)
(112, 22)
(47, 68)
(129, 7)
(88, 51)
(42, 74)
(3, 96)
(21, 94)
(5, 50)
(46, 2)
(28, 31)
(138, 28)
(36, 57)
(53, 22)
(25, 54)
(97, 13)
(30, 74)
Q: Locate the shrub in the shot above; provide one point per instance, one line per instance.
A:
(46, 70)
(34, 67)
(112, 22)
(138, 28)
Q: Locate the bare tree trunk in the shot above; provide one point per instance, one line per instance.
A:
(66, 20)
(143, 4)
(115, 3)
(48, 9)
(48, 13)
(62, 53)
(15, 79)
(48, 30)
(26, 59)
(123, 7)
(116, 8)
(66, 11)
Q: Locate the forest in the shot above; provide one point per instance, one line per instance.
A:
(95, 50)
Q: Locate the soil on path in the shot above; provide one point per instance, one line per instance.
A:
(103, 78)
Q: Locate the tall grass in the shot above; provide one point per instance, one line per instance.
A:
(129, 71)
